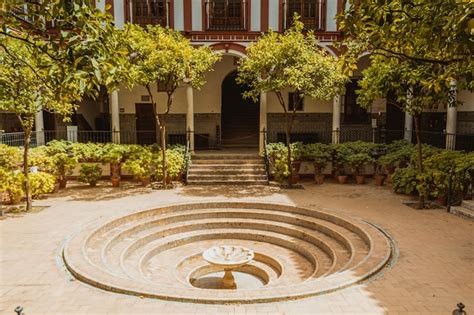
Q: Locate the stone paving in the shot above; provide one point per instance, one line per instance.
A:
(434, 270)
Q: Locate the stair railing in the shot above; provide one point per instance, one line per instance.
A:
(265, 155)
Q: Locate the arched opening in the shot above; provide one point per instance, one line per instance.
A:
(240, 117)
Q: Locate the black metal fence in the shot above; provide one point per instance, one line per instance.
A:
(205, 141)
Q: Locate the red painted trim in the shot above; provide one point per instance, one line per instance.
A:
(204, 16)
(264, 11)
(188, 17)
(171, 14)
(229, 46)
(111, 3)
(248, 15)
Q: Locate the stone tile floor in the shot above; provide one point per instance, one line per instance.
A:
(434, 270)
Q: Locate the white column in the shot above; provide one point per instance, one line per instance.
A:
(39, 124)
(263, 121)
(190, 116)
(115, 113)
(408, 134)
(336, 118)
(451, 118)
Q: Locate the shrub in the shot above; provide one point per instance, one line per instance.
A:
(63, 159)
(90, 173)
(11, 183)
(87, 152)
(341, 153)
(139, 162)
(404, 180)
(10, 157)
(40, 158)
(41, 183)
(398, 154)
(318, 153)
(175, 162)
(358, 161)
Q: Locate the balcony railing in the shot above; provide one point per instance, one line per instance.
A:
(148, 12)
(226, 15)
(311, 13)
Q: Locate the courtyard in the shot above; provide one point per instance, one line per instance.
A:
(430, 273)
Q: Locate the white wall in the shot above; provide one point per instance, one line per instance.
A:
(118, 13)
(467, 98)
(178, 12)
(197, 15)
(331, 11)
(255, 18)
(273, 14)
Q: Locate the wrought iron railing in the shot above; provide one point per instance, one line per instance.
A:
(206, 141)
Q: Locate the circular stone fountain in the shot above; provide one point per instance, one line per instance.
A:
(228, 258)
(295, 252)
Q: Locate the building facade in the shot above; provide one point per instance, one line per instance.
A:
(217, 115)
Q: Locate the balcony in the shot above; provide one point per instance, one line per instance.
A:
(311, 12)
(148, 12)
(226, 15)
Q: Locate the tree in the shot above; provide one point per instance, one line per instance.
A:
(164, 55)
(291, 61)
(53, 53)
(419, 68)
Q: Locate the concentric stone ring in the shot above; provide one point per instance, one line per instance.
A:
(158, 253)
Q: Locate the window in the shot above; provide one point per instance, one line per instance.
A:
(145, 12)
(295, 100)
(226, 15)
(310, 12)
(353, 112)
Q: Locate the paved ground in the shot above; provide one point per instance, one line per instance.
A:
(434, 271)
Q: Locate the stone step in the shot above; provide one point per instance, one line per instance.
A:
(468, 204)
(228, 182)
(463, 212)
(230, 172)
(225, 156)
(221, 177)
(242, 167)
(227, 161)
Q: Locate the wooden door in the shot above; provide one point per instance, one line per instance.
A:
(146, 124)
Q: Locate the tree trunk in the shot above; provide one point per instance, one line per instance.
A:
(164, 165)
(29, 202)
(288, 145)
(419, 159)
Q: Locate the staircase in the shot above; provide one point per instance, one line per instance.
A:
(466, 209)
(227, 169)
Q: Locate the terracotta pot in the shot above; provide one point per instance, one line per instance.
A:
(379, 179)
(295, 177)
(93, 184)
(342, 179)
(115, 181)
(388, 180)
(145, 181)
(179, 178)
(319, 178)
(442, 200)
(115, 170)
(360, 179)
(62, 183)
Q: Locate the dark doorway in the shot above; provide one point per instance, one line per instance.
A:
(395, 121)
(353, 112)
(49, 125)
(240, 117)
(146, 124)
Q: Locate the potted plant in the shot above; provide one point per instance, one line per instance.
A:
(297, 150)
(140, 164)
(12, 184)
(320, 154)
(63, 160)
(379, 174)
(90, 173)
(358, 162)
(115, 154)
(341, 152)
